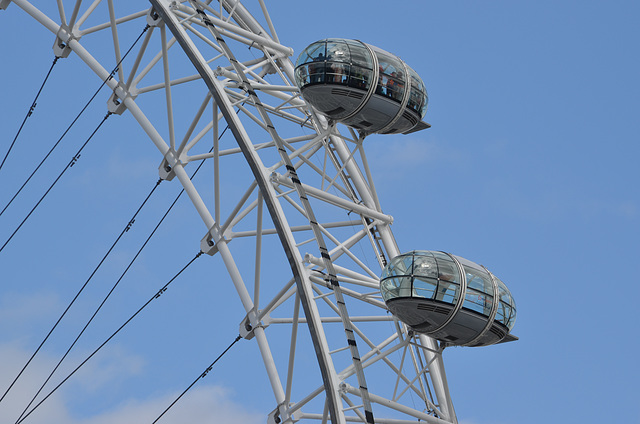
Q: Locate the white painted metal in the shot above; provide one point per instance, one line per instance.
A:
(332, 169)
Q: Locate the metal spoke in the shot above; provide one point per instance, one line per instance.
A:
(283, 175)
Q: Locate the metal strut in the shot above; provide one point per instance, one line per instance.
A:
(333, 403)
(328, 264)
(262, 177)
(374, 235)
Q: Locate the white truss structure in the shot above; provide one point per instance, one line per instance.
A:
(312, 176)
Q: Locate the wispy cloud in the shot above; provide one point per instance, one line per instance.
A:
(209, 404)
(203, 404)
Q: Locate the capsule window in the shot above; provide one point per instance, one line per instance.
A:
(424, 287)
(316, 72)
(302, 75)
(394, 85)
(391, 81)
(512, 318)
(360, 77)
(478, 301)
(389, 64)
(417, 96)
(360, 55)
(478, 280)
(505, 295)
(506, 308)
(448, 271)
(414, 100)
(502, 314)
(396, 287)
(402, 266)
(447, 292)
(315, 52)
(423, 109)
(418, 100)
(390, 288)
(337, 73)
(425, 266)
(338, 52)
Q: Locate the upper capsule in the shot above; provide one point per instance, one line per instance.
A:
(362, 86)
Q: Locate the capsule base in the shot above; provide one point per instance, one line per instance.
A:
(425, 316)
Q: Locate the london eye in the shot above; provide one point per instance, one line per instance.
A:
(288, 209)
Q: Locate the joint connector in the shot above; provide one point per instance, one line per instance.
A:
(115, 104)
(166, 171)
(280, 415)
(61, 47)
(274, 178)
(209, 243)
(246, 329)
(344, 388)
(208, 246)
(153, 18)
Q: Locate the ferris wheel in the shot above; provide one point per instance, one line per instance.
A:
(294, 185)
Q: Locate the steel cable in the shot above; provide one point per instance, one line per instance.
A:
(201, 376)
(115, 69)
(155, 296)
(126, 229)
(30, 112)
(22, 416)
(72, 162)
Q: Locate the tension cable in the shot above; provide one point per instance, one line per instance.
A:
(155, 296)
(203, 375)
(113, 72)
(127, 228)
(22, 416)
(31, 109)
(72, 162)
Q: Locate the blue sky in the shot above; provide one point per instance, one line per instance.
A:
(530, 168)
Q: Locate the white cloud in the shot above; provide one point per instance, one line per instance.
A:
(202, 404)
(111, 366)
(208, 404)
(13, 359)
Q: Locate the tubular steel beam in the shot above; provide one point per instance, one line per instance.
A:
(262, 178)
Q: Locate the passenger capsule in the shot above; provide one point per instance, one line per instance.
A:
(362, 86)
(448, 298)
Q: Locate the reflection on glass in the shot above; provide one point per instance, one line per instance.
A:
(338, 52)
(424, 287)
(448, 292)
(425, 266)
(312, 53)
(435, 276)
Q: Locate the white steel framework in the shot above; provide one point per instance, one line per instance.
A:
(312, 176)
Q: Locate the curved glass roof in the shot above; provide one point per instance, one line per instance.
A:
(438, 276)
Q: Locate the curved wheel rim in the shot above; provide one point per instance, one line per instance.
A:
(234, 216)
